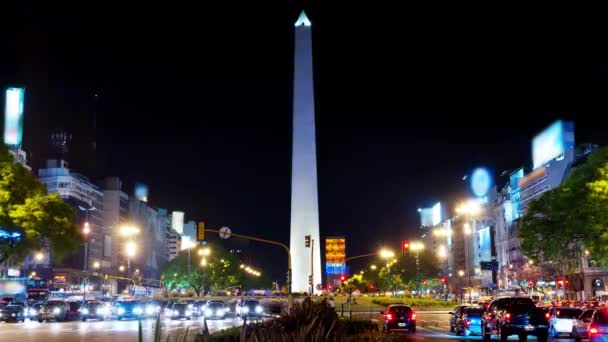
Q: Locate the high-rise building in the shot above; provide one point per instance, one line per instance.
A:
(304, 196)
(173, 243)
(115, 214)
(150, 256)
(87, 198)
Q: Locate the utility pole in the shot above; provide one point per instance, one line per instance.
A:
(312, 254)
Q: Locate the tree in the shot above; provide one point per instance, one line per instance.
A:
(562, 222)
(30, 218)
(220, 272)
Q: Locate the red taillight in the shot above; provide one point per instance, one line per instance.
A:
(389, 317)
(507, 316)
(467, 323)
(413, 316)
(592, 330)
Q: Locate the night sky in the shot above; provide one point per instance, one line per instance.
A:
(196, 102)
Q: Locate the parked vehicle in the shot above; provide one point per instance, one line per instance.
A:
(469, 322)
(13, 313)
(455, 315)
(514, 316)
(399, 317)
(94, 310)
(249, 308)
(215, 310)
(181, 311)
(562, 320)
(54, 310)
(581, 325)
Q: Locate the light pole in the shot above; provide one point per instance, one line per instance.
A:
(460, 275)
(85, 231)
(204, 252)
(469, 208)
(388, 255)
(417, 246)
(131, 247)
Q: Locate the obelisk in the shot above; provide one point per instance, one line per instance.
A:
(304, 198)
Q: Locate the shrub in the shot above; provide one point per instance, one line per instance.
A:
(416, 303)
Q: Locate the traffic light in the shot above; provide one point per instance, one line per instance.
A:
(342, 278)
(200, 231)
(531, 283)
(307, 241)
(405, 248)
(443, 280)
(310, 280)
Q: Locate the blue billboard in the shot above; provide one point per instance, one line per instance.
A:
(515, 209)
(551, 143)
(13, 116)
(481, 182)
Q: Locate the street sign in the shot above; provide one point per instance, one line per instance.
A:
(225, 232)
(489, 265)
(319, 287)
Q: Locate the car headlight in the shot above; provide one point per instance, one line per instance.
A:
(33, 312)
(121, 311)
(101, 311)
(208, 313)
(149, 310)
(56, 311)
(175, 313)
(258, 309)
(244, 309)
(188, 312)
(157, 309)
(137, 310)
(85, 311)
(190, 306)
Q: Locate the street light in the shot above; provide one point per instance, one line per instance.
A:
(39, 256)
(373, 267)
(388, 255)
(460, 275)
(121, 268)
(96, 265)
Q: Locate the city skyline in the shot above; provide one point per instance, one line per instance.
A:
(375, 166)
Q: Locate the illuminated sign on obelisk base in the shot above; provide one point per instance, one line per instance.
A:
(304, 198)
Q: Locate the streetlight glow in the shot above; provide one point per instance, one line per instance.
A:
(470, 207)
(460, 273)
(131, 248)
(204, 262)
(86, 229)
(467, 229)
(386, 254)
(96, 264)
(129, 230)
(39, 256)
(442, 252)
(373, 267)
(121, 268)
(416, 246)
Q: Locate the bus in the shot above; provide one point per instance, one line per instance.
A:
(37, 289)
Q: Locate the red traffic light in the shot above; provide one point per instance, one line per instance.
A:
(443, 280)
(342, 278)
(405, 247)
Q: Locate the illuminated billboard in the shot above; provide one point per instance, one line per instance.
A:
(13, 116)
(481, 182)
(551, 143)
(177, 222)
(141, 192)
(430, 217)
(514, 180)
(335, 255)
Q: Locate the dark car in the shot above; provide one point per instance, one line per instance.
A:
(13, 313)
(54, 310)
(455, 315)
(94, 310)
(73, 311)
(215, 309)
(250, 308)
(198, 308)
(127, 309)
(399, 317)
(181, 311)
(469, 321)
(598, 328)
(514, 316)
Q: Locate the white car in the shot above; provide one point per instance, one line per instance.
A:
(562, 320)
(581, 325)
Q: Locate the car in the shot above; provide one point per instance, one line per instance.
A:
(94, 310)
(399, 317)
(127, 309)
(13, 313)
(469, 322)
(34, 310)
(54, 310)
(181, 311)
(514, 316)
(562, 320)
(198, 308)
(215, 309)
(581, 325)
(249, 308)
(598, 328)
(151, 308)
(454, 315)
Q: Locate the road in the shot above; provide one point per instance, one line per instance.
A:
(92, 331)
(431, 326)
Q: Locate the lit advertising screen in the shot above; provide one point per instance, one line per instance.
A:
(177, 222)
(552, 142)
(13, 116)
(335, 255)
(430, 217)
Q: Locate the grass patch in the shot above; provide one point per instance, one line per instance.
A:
(379, 303)
(227, 335)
